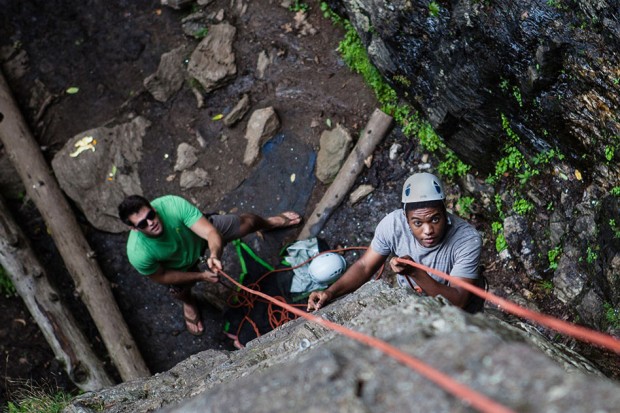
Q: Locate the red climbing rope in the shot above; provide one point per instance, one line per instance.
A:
(276, 317)
(477, 400)
(468, 395)
(573, 330)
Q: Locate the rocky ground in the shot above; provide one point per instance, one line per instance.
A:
(107, 50)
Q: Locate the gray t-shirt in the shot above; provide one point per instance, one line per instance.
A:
(458, 254)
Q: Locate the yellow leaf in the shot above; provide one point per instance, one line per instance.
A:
(72, 90)
(218, 117)
(292, 177)
(578, 174)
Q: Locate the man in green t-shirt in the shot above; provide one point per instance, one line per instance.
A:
(169, 235)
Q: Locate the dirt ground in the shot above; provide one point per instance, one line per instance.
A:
(106, 49)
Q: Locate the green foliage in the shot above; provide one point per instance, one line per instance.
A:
(506, 127)
(452, 166)
(591, 255)
(610, 151)
(355, 56)
(504, 85)
(37, 401)
(527, 174)
(499, 205)
(615, 191)
(497, 227)
(554, 256)
(614, 227)
(500, 240)
(429, 139)
(463, 205)
(408, 119)
(546, 286)
(195, 84)
(402, 80)
(546, 157)
(514, 161)
(329, 14)
(6, 286)
(299, 6)
(612, 316)
(517, 94)
(500, 243)
(433, 8)
(522, 206)
(201, 33)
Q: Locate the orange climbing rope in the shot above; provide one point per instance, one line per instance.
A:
(468, 395)
(573, 330)
(276, 317)
(477, 400)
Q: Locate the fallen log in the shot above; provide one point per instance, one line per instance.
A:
(377, 127)
(59, 327)
(90, 283)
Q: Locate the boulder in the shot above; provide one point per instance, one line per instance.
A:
(169, 77)
(304, 366)
(238, 112)
(98, 168)
(212, 63)
(335, 146)
(186, 157)
(194, 179)
(262, 126)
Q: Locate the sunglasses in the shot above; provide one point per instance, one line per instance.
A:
(149, 217)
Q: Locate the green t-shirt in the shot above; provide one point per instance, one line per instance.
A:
(178, 247)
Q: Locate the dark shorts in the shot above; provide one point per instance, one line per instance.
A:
(229, 226)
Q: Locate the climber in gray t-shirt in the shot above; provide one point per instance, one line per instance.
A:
(423, 232)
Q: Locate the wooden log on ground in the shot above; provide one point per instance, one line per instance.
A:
(59, 327)
(377, 127)
(92, 286)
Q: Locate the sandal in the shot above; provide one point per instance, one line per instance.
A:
(194, 321)
(287, 220)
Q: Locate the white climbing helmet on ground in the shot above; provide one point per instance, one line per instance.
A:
(327, 268)
(422, 187)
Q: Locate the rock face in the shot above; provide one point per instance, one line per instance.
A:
(213, 60)
(335, 147)
(305, 367)
(169, 76)
(262, 126)
(524, 91)
(99, 167)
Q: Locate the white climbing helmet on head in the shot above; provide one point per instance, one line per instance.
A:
(327, 268)
(422, 187)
